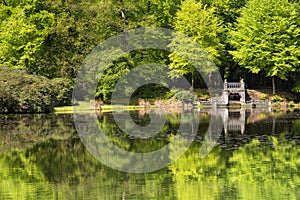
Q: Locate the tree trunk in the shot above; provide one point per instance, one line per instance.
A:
(193, 81)
(123, 17)
(149, 6)
(273, 85)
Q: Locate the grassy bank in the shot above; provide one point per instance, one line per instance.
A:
(89, 106)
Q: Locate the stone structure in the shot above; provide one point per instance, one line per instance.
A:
(234, 93)
(234, 89)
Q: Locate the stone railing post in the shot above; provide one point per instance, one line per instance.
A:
(225, 84)
(242, 84)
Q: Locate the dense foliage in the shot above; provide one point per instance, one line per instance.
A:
(252, 39)
(24, 93)
(185, 96)
(266, 38)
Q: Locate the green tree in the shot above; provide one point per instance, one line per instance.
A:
(162, 12)
(228, 11)
(24, 27)
(52, 38)
(199, 22)
(266, 38)
(123, 65)
(79, 26)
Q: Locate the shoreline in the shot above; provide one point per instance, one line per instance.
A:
(168, 105)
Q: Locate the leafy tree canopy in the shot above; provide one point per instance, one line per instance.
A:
(266, 38)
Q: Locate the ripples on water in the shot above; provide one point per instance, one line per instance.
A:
(42, 157)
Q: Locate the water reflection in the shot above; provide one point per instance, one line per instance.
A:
(234, 120)
(42, 158)
(21, 131)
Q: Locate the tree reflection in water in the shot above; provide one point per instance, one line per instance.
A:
(41, 157)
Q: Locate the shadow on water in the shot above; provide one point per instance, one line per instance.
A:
(43, 157)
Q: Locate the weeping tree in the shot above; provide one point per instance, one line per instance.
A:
(266, 38)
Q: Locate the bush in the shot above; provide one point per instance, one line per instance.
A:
(7, 101)
(35, 98)
(62, 89)
(185, 96)
(277, 98)
(24, 93)
(170, 94)
(150, 91)
(202, 94)
(263, 97)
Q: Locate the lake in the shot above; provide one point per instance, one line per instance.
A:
(255, 156)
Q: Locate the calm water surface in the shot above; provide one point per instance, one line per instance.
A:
(256, 157)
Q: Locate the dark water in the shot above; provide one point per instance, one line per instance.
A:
(257, 156)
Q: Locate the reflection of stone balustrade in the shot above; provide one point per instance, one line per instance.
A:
(236, 119)
(234, 127)
(232, 120)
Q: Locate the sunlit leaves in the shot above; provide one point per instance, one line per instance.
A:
(22, 34)
(200, 23)
(266, 38)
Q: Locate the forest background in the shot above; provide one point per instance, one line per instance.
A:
(43, 43)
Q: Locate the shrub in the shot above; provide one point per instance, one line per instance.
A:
(184, 96)
(24, 93)
(35, 98)
(170, 94)
(263, 97)
(150, 91)
(202, 94)
(7, 101)
(62, 89)
(277, 98)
